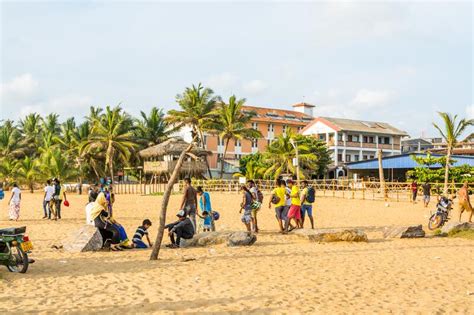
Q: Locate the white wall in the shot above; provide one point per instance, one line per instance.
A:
(318, 127)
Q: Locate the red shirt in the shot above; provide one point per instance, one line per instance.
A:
(414, 187)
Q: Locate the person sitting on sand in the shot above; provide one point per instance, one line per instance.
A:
(246, 205)
(138, 236)
(183, 228)
(278, 198)
(206, 221)
(464, 202)
(100, 216)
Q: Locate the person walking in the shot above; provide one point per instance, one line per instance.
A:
(256, 204)
(189, 202)
(278, 198)
(205, 205)
(48, 196)
(414, 190)
(246, 205)
(14, 202)
(59, 194)
(295, 208)
(307, 199)
(464, 202)
(426, 193)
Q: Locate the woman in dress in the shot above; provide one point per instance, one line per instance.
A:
(101, 218)
(14, 203)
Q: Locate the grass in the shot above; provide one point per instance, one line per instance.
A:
(467, 234)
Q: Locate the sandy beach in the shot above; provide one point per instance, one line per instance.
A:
(279, 274)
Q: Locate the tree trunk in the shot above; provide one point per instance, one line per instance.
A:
(223, 157)
(383, 187)
(110, 153)
(164, 203)
(203, 146)
(446, 171)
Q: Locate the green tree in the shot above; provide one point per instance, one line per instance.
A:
(55, 164)
(50, 124)
(30, 129)
(153, 128)
(28, 172)
(253, 170)
(112, 133)
(231, 123)
(451, 132)
(9, 141)
(7, 170)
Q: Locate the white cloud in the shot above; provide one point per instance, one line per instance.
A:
(254, 87)
(371, 98)
(470, 111)
(19, 88)
(221, 81)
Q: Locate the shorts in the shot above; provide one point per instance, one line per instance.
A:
(306, 209)
(426, 198)
(207, 226)
(281, 212)
(247, 217)
(465, 206)
(254, 212)
(190, 210)
(294, 212)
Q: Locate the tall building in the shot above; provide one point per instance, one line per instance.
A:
(354, 140)
(271, 123)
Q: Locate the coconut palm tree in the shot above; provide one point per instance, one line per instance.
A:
(9, 141)
(30, 128)
(451, 132)
(153, 128)
(7, 170)
(50, 124)
(197, 106)
(28, 172)
(231, 123)
(253, 170)
(112, 133)
(55, 164)
(280, 154)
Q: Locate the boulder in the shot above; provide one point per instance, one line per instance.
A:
(220, 237)
(86, 239)
(404, 232)
(453, 227)
(332, 235)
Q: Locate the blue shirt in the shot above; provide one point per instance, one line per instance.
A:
(207, 220)
(208, 207)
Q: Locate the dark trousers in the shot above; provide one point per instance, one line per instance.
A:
(47, 209)
(107, 230)
(57, 204)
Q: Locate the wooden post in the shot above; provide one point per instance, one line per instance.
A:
(164, 205)
(383, 188)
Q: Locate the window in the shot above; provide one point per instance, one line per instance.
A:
(364, 157)
(220, 141)
(368, 139)
(237, 143)
(255, 126)
(339, 137)
(269, 142)
(339, 157)
(371, 157)
(384, 140)
(270, 127)
(285, 128)
(322, 137)
(355, 138)
(348, 157)
(356, 157)
(204, 140)
(238, 156)
(349, 138)
(254, 143)
(299, 129)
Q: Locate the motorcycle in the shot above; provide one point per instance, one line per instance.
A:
(14, 249)
(441, 216)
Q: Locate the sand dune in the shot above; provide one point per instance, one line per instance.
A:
(279, 274)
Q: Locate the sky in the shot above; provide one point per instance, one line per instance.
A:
(397, 62)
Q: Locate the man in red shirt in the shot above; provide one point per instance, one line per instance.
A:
(414, 190)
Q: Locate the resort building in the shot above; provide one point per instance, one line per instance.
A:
(271, 123)
(416, 145)
(354, 140)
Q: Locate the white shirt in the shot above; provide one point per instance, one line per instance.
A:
(49, 190)
(288, 200)
(16, 194)
(89, 207)
(253, 191)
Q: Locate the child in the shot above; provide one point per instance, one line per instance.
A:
(142, 230)
(206, 221)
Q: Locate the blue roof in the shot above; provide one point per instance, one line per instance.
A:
(404, 161)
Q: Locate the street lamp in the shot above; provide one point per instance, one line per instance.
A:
(296, 161)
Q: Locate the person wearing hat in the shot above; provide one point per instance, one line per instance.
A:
(183, 228)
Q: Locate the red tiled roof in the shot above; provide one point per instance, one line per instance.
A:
(303, 104)
(272, 115)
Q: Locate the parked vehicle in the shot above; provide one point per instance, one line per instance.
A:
(441, 216)
(14, 249)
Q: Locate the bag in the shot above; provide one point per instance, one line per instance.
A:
(259, 196)
(2, 194)
(310, 195)
(275, 199)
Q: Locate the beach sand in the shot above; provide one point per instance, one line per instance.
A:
(279, 274)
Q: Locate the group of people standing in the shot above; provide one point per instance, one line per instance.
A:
(54, 194)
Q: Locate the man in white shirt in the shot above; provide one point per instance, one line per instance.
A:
(48, 195)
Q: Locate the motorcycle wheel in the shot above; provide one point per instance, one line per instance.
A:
(22, 261)
(435, 221)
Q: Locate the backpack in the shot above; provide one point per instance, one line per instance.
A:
(310, 195)
(275, 199)
(259, 196)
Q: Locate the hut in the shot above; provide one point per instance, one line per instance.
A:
(160, 160)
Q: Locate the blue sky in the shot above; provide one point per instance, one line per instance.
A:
(397, 62)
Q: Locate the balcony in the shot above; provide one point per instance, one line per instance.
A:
(352, 144)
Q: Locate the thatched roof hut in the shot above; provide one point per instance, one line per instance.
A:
(161, 158)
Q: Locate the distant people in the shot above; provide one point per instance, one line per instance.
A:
(93, 193)
(246, 205)
(295, 208)
(59, 194)
(181, 229)
(189, 202)
(256, 203)
(100, 216)
(426, 193)
(278, 198)
(414, 190)
(14, 202)
(464, 202)
(2, 193)
(307, 199)
(48, 196)
(206, 221)
(205, 205)
(142, 231)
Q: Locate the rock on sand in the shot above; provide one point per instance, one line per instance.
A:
(332, 235)
(85, 239)
(404, 232)
(238, 238)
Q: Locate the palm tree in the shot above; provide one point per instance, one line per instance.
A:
(51, 124)
(30, 131)
(54, 163)
(280, 154)
(197, 106)
(153, 128)
(7, 170)
(253, 170)
(231, 124)
(112, 133)
(9, 141)
(27, 170)
(450, 132)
